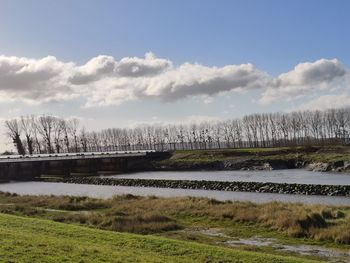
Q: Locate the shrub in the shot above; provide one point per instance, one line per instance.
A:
(312, 220)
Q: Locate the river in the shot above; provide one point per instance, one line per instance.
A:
(280, 176)
(290, 176)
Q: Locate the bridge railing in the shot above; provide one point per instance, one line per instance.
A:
(73, 155)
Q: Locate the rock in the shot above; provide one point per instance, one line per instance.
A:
(338, 164)
(319, 167)
(333, 190)
(267, 166)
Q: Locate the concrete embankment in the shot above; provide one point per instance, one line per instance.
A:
(281, 188)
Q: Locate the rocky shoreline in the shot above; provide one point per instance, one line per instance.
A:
(339, 166)
(254, 165)
(258, 187)
(233, 164)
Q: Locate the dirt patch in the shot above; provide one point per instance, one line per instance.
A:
(334, 255)
(331, 254)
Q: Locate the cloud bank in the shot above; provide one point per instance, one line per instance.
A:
(103, 80)
(34, 80)
(307, 77)
(327, 102)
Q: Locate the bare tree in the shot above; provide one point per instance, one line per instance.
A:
(53, 134)
(28, 126)
(46, 128)
(72, 127)
(14, 132)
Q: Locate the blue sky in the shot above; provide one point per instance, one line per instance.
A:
(274, 36)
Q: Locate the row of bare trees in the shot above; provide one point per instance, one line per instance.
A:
(43, 134)
(49, 134)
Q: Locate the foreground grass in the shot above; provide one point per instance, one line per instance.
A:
(36, 240)
(152, 215)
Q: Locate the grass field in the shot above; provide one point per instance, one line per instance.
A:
(198, 220)
(329, 153)
(150, 215)
(37, 240)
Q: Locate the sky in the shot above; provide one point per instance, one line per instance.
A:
(126, 63)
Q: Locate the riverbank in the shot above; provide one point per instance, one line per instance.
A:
(274, 229)
(314, 158)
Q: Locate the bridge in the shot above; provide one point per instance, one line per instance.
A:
(27, 167)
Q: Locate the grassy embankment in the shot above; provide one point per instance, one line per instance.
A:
(36, 240)
(186, 219)
(308, 154)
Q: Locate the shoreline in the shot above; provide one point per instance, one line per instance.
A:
(331, 158)
(251, 165)
(237, 186)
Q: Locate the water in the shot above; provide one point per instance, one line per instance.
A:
(104, 191)
(278, 176)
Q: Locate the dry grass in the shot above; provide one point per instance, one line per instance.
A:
(141, 224)
(145, 215)
(70, 203)
(309, 153)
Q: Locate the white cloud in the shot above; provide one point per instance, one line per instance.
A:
(107, 67)
(34, 80)
(103, 80)
(141, 67)
(304, 78)
(106, 81)
(177, 83)
(95, 69)
(327, 102)
(194, 79)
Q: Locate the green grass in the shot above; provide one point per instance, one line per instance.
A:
(36, 240)
(152, 215)
(329, 153)
(185, 219)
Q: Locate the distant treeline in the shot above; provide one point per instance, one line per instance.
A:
(50, 134)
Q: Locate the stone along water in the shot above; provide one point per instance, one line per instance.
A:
(299, 176)
(282, 176)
